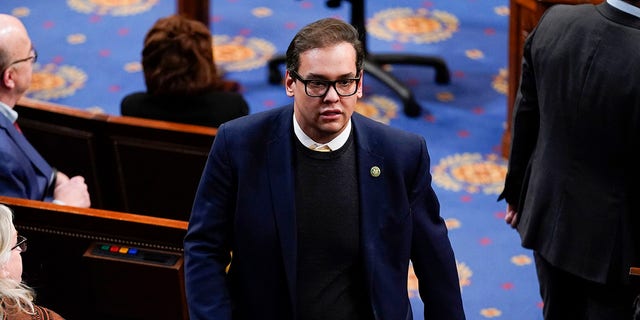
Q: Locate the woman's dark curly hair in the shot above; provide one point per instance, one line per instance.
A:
(177, 58)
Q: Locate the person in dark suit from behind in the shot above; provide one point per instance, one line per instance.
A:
(17, 297)
(573, 177)
(321, 208)
(23, 171)
(181, 78)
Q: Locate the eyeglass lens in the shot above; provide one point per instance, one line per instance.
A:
(318, 88)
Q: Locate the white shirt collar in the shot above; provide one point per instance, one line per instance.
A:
(623, 6)
(334, 144)
(8, 112)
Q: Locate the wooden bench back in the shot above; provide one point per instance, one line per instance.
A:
(69, 139)
(130, 164)
(156, 167)
(66, 262)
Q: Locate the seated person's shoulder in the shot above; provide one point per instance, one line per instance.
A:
(41, 313)
(132, 101)
(47, 314)
(232, 100)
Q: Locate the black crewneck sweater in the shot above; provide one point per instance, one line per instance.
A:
(330, 279)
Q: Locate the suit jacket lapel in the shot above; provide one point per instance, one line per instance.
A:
(282, 185)
(26, 147)
(372, 191)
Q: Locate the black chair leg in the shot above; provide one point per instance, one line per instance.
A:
(440, 66)
(411, 107)
(275, 77)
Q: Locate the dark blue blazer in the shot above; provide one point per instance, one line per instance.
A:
(23, 172)
(245, 204)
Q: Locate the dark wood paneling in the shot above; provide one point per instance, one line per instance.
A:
(130, 164)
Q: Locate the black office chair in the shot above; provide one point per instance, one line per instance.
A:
(373, 62)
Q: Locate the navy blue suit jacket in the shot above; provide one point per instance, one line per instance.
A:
(245, 204)
(23, 172)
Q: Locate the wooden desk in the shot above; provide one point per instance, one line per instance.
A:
(524, 17)
(77, 281)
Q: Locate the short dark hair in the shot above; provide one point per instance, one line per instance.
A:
(177, 57)
(320, 34)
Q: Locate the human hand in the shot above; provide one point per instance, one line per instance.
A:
(511, 218)
(61, 178)
(71, 191)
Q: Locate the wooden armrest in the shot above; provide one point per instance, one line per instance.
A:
(90, 212)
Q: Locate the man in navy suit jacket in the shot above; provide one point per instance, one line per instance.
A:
(23, 172)
(572, 185)
(318, 210)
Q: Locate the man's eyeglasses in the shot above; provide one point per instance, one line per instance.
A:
(22, 244)
(319, 88)
(34, 56)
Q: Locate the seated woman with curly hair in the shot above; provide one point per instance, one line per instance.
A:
(181, 78)
(16, 298)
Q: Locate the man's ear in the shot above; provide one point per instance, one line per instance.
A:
(288, 84)
(360, 85)
(8, 78)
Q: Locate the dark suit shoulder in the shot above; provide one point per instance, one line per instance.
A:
(131, 101)
(383, 132)
(254, 134)
(261, 120)
(207, 109)
(561, 15)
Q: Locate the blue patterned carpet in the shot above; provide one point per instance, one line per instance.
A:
(89, 53)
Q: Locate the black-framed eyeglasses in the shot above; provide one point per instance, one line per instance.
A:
(22, 244)
(319, 88)
(34, 56)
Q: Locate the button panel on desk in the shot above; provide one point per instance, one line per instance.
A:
(135, 254)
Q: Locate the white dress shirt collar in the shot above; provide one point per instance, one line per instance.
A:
(8, 112)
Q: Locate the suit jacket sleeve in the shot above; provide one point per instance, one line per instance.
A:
(207, 243)
(431, 254)
(526, 120)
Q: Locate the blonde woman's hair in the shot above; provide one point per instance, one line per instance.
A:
(15, 296)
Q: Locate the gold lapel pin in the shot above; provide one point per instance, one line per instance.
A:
(375, 171)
